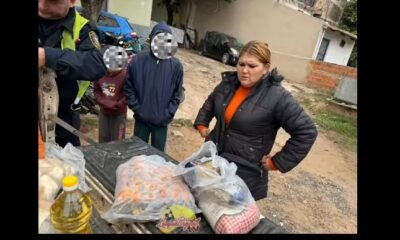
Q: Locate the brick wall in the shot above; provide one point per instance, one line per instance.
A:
(327, 75)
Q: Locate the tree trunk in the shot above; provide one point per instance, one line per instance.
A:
(189, 14)
(170, 12)
(91, 9)
(187, 35)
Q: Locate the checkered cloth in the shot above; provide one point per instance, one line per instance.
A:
(242, 222)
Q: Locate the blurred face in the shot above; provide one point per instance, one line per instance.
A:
(54, 9)
(250, 70)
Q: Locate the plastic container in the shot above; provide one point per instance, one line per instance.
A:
(71, 211)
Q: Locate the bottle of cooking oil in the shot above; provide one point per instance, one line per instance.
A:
(71, 211)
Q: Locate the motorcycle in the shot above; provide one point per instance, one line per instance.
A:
(111, 39)
(135, 44)
(88, 103)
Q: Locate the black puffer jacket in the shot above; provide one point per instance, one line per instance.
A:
(253, 128)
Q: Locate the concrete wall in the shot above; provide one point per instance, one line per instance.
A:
(284, 29)
(347, 91)
(327, 75)
(294, 69)
(292, 36)
(137, 11)
(335, 53)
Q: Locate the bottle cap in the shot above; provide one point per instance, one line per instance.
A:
(70, 183)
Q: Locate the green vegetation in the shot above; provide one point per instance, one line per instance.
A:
(341, 128)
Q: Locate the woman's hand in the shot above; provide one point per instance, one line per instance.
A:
(204, 132)
(267, 164)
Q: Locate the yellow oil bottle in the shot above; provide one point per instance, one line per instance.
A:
(71, 211)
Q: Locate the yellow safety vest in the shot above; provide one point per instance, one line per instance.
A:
(69, 41)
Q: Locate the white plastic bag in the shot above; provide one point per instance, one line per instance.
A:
(51, 173)
(145, 187)
(224, 198)
(72, 156)
(205, 168)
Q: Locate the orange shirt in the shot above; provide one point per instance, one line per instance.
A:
(240, 94)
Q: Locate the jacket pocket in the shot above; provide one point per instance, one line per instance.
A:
(254, 152)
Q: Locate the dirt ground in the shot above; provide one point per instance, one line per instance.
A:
(318, 196)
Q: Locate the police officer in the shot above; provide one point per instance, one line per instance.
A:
(68, 44)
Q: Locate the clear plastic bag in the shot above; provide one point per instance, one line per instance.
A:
(205, 168)
(145, 187)
(224, 198)
(51, 173)
(44, 213)
(72, 156)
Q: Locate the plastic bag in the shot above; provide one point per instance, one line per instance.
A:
(44, 210)
(145, 187)
(229, 207)
(224, 198)
(205, 168)
(51, 173)
(72, 156)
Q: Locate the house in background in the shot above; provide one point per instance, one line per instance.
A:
(330, 11)
(335, 46)
(295, 37)
(300, 33)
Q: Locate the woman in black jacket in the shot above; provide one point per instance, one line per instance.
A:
(250, 105)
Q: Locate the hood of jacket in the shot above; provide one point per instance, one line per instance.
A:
(158, 28)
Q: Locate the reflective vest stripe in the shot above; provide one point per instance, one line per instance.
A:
(69, 41)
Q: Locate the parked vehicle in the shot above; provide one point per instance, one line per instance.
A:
(137, 44)
(111, 39)
(220, 46)
(112, 23)
(142, 33)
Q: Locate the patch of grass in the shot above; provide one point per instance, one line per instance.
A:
(341, 128)
(338, 123)
(349, 143)
(344, 128)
